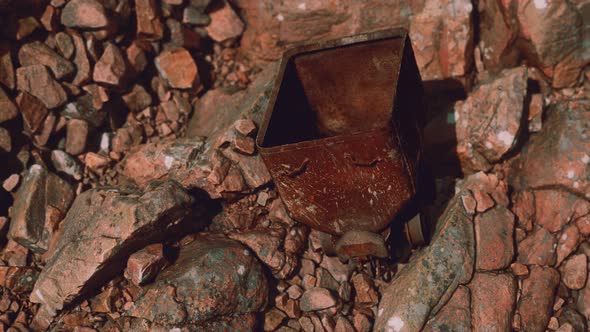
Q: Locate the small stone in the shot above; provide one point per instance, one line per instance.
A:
(6, 66)
(494, 233)
(178, 68)
(523, 206)
(37, 81)
(519, 270)
(105, 301)
(144, 265)
(64, 44)
(77, 135)
(361, 244)
(574, 271)
(294, 292)
(364, 289)
(96, 162)
(536, 300)
(536, 113)
(111, 67)
(136, 57)
(8, 110)
(49, 19)
(25, 27)
(137, 99)
(244, 145)
(537, 248)
(37, 53)
(343, 325)
(149, 26)
(225, 24)
(316, 298)
(245, 127)
(325, 279)
(272, 319)
(362, 323)
(83, 72)
(84, 14)
(553, 324)
(32, 110)
(567, 327)
(340, 271)
(63, 162)
(11, 182)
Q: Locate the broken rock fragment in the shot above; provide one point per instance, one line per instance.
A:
(455, 315)
(361, 244)
(101, 229)
(430, 279)
(488, 121)
(149, 25)
(37, 81)
(145, 264)
(111, 67)
(225, 24)
(40, 204)
(84, 14)
(37, 53)
(8, 110)
(492, 301)
(537, 248)
(316, 298)
(177, 67)
(18, 279)
(214, 279)
(536, 301)
(494, 234)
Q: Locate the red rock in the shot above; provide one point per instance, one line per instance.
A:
(83, 72)
(523, 206)
(137, 99)
(49, 19)
(225, 24)
(111, 67)
(64, 44)
(178, 68)
(316, 298)
(574, 271)
(77, 135)
(96, 162)
(245, 127)
(442, 34)
(494, 238)
(110, 223)
(498, 34)
(136, 57)
(149, 26)
(536, 300)
(266, 244)
(364, 289)
(519, 270)
(37, 53)
(182, 36)
(537, 248)
(343, 325)
(325, 280)
(583, 301)
(555, 208)
(583, 224)
(105, 301)
(18, 279)
(455, 315)
(8, 110)
(272, 319)
(10, 183)
(84, 14)
(32, 110)
(362, 323)
(144, 265)
(14, 254)
(41, 201)
(361, 244)
(37, 81)
(536, 113)
(492, 301)
(558, 156)
(500, 104)
(567, 242)
(7, 76)
(213, 279)
(244, 145)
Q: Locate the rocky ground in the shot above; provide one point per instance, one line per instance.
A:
(133, 197)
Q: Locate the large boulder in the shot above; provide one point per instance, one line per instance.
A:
(214, 281)
(101, 229)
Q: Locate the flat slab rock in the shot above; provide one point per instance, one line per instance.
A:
(430, 279)
(214, 279)
(101, 229)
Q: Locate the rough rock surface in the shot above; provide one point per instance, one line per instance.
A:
(102, 227)
(494, 237)
(178, 68)
(558, 156)
(214, 279)
(84, 14)
(488, 121)
(455, 315)
(37, 81)
(37, 53)
(536, 301)
(427, 282)
(493, 298)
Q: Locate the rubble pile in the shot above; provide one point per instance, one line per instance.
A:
(134, 198)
